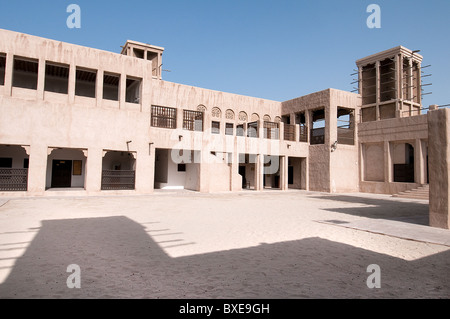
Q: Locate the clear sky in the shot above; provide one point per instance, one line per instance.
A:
(273, 49)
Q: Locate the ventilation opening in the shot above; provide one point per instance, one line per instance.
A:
(300, 119)
(318, 127)
(25, 73)
(56, 78)
(387, 80)
(345, 126)
(138, 53)
(368, 84)
(85, 83)
(153, 57)
(133, 92)
(111, 87)
(2, 69)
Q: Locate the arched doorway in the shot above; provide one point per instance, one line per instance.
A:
(66, 168)
(118, 170)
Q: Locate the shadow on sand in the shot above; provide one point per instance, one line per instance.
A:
(119, 259)
(398, 210)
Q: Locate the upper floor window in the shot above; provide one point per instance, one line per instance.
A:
(85, 83)
(252, 129)
(56, 78)
(25, 73)
(229, 128)
(111, 86)
(165, 117)
(193, 120)
(133, 90)
(271, 130)
(240, 130)
(215, 127)
(2, 68)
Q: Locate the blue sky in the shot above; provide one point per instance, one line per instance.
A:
(271, 49)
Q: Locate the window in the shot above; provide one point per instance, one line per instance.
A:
(153, 57)
(6, 162)
(85, 83)
(215, 127)
(56, 78)
(111, 87)
(192, 120)
(271, 130)
(165, 117)
(2, 69)
(181, 168)
(138, 53)
(229, 128)
(133, 91)
(252, 129)
(25, 73)
(345, 126)
(318, 127)
(240, 130)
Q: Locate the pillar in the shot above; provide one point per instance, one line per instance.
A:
(37, 169)
(41, 79)
(94, 166)
(145, 168)
(418, 162)
(387, 164)
(9, 73)
(284, 173)
(72, 82)
(377, 90)
(99, 87)
(259, 172)
(439, 167)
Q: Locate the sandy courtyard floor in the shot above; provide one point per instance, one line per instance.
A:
(271, 244)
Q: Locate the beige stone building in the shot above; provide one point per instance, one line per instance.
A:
(77, 120)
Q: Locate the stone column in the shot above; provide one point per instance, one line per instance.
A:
(330, 125)
(387, 164)
(439, 167)
(8, 73)
(284, 173)
(37, 169)
(308, 122)
(41, 79)
(122, 90)
(377, 89)
(99, 88)
(72, 82)
(259, 172)
(145, 165)
(418, 162)
(94, 161)
(281, 131)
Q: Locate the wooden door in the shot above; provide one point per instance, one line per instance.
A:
(61, 173)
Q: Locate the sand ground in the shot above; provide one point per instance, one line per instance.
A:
(292, 244)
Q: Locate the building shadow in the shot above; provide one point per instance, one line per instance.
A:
(119, 259)
(410, 212)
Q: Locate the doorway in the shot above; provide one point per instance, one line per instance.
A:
(242, 173)
(61, 173)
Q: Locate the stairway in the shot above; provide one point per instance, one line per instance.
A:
(422, 192)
